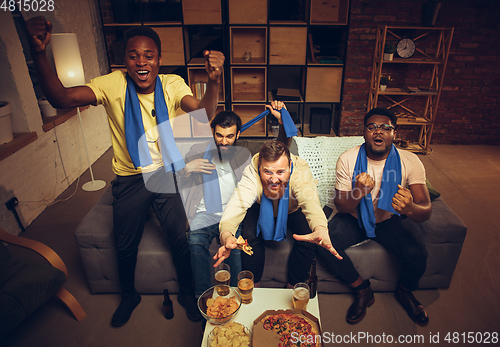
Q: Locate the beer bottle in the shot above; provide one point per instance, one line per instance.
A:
(312, 280)
(168, 308)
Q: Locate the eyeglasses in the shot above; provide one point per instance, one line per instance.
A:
(384, 127)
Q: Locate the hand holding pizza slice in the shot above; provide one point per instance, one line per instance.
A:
(243, 245)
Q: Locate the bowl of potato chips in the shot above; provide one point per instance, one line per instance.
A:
(232, 334)
(219, 304)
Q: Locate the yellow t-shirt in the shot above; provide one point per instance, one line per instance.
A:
(110, 92)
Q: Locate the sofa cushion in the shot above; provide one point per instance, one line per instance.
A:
(25, 286)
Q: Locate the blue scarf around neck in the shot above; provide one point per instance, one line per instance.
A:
(265, 223)
(134, 130)
(211, 188)
(391, 177)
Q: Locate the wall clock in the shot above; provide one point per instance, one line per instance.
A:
(405, 48)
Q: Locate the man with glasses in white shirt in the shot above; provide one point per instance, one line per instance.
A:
(376, 186)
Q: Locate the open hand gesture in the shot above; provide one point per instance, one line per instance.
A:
(320, 237)
(224, 251)
(200, 166)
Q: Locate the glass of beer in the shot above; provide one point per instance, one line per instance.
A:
(245, 286)
(300, 296)
(222, 276)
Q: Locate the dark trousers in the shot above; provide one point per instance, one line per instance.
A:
(301, 256)
(391, 234)
(131, 203)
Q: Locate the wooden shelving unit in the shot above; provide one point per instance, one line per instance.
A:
(280, 43)
(427, 66)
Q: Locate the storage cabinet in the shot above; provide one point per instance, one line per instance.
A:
(274, 49)
(287, 45)
(413, 94)
(248, 84)
(202, 12)
(247, 12)
(248, 45)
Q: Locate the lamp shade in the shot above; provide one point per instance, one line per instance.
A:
(67, 59)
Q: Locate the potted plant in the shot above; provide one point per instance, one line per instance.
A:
(6, 134)
(384, 81)
(389, 50)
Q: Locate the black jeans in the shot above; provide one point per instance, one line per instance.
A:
(391, 234)
(131, 203)
(301, 256)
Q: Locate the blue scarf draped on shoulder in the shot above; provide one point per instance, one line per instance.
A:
(265, 223)
(288, 124)
(134, 130)
(211, 188)
(391, 177)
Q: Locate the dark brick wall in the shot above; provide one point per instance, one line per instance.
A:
(468, 111)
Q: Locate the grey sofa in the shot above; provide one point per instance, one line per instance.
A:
(443, 234)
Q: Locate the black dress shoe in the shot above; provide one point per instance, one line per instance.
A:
(364, 298)
(168, 308)
(188, 301)
(414, 308)
(124, 311)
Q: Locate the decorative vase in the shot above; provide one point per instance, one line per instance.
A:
(46, 108)
(388, 56)
(383, 87)
(6, 134)
(247, 56)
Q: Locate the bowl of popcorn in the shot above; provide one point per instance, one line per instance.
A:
(232, 334)
(219, 304)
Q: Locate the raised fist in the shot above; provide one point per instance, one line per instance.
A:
(39, 31)
(364, 185)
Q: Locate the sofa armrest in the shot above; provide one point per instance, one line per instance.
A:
(443, 236)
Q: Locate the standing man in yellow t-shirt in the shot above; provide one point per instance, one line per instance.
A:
(137, 102)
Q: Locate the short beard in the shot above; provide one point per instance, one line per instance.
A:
(274, 195)
(379, 152)
(224, 155)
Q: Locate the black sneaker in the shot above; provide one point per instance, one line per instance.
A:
(125, 309)
(188, 301)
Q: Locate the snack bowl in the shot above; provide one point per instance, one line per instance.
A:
(230, 335)
(213, 293)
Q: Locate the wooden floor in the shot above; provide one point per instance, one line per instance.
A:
(466, 176)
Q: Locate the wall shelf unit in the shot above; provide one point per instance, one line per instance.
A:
(297, 52)
(418, 80)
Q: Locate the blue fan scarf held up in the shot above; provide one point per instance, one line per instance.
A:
(211, 188)
(134, 130)
(391, 177)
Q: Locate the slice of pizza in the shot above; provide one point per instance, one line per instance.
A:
(286, 324)
(243, 245)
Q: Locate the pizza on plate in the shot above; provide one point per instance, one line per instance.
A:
(286, 324)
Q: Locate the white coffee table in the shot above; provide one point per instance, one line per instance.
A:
(264, 299)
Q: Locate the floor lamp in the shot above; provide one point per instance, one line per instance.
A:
(70, 71)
